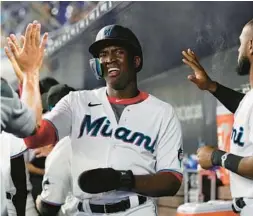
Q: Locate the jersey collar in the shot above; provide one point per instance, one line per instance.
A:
(126, 101)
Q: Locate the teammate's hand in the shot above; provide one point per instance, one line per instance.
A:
(105, 179)
(200, 77)
(18, 46)
(30, 57)
(204, 155)
(43, 151)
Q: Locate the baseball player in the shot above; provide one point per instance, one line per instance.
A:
(17, 184)
(239, 160)
(16, 118)
(126, 144)
(57, 182)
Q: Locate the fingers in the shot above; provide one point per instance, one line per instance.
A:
(190, 64)
(22, 41)
(28, 35)
(44, 42)
(191, 53)
(34, 33)
(14, 40)
(9, 54)
(37, 38)
(188, 56)
(192, 78)
(13, 48)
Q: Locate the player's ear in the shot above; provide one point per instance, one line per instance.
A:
(251, 47)
(137, 61)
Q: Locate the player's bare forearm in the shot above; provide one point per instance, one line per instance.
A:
(35, 170)
(31, 94)
(157, 185)
(245, 168)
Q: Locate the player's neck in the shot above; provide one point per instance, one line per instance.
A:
(251, 75)
(129, 92)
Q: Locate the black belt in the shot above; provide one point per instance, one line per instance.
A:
(112, 208)
(239, 203)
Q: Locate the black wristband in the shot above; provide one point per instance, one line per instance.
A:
(127, 180)
(216, 157)
(231, 162)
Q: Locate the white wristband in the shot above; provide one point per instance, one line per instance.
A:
(224, 158)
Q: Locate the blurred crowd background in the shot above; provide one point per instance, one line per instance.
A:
(210, 29)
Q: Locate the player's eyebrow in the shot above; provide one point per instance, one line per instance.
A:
(111, 49)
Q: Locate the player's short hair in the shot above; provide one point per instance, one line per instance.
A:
(54, 95)
(46, 83)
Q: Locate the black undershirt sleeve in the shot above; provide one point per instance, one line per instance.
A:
(228, 97)
(18, 175)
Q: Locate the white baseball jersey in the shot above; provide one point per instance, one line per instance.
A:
(242, 145)
(57, 183)
(146, 139)
(13, 147)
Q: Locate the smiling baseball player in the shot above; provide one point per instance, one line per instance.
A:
(126, 144)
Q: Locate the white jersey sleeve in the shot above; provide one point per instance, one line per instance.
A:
(57, 183)
(170, 149)
(61, 117)
(17, 146)
(251, 127)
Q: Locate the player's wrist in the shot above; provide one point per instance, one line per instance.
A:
(126, 181)
(212, 87)
(226, 160)
(216, 157)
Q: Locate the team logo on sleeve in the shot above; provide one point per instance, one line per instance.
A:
(180, 156)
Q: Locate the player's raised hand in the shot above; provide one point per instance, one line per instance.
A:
(18, 46)
(30, 57)
(200, 77)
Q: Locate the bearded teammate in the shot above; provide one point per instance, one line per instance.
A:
(240, 159)
(118, 134)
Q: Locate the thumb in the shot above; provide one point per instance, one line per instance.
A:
(192, 78)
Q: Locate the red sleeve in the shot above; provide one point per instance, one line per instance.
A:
(46, 134)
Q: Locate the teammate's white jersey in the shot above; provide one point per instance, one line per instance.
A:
(242, 145)
(147, 139)
(57, 181)
(13, 147)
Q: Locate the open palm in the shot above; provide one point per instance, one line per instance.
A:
(200, 77)
(28, 58)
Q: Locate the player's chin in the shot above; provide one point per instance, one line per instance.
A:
(116, 84)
